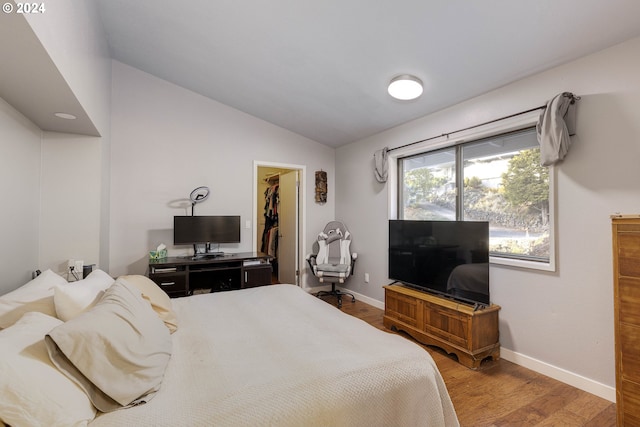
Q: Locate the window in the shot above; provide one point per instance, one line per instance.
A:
(497, 179)
(429, 186)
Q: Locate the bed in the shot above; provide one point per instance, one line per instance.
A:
(277, 356)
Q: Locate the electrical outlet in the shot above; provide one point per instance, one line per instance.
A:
(366, 277)
(71, 265)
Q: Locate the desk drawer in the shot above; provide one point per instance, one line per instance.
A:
(172, 283)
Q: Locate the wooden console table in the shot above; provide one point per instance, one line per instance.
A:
(181, 276)
(472, 335)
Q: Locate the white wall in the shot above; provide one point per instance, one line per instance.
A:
(166, 141)
(20, 195)
(71, 200)
(562, 319)
(75, 202)
(59, 181)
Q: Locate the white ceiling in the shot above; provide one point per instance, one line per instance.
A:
(320, 68)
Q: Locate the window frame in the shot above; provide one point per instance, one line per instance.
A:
(509, 125)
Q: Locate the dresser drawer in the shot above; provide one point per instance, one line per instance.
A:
(174, 284)
(629, 342)
(629, 253)
(630, 403)
(629, 300)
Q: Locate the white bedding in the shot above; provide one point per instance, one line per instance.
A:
(276, 356)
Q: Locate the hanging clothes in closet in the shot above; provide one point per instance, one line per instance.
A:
(270, 234)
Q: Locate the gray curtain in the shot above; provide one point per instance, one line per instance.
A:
(555, 127)
(381, 167)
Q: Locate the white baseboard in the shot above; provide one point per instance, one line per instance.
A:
(365, 299)
(567, 377)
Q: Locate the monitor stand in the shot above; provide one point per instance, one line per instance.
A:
(212, 255)
(207, 254)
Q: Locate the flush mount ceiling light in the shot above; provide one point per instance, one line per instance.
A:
(66, 116)
(405, 87)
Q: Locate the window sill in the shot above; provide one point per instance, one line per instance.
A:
(521, 263)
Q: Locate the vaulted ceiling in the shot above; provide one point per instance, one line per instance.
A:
(321, 68)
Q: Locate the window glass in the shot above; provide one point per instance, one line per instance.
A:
(500, 181)
(505, 184)
(429, 186)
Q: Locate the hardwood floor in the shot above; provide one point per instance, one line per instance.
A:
(502, 393)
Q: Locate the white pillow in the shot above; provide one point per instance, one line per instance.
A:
(117, 351)
(36, 295)
(32, 391)
(72, 299)
(159, 300)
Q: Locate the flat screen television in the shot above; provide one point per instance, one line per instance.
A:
(192, 230)
(449, 258)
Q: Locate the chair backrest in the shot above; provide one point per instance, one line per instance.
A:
(334, 245)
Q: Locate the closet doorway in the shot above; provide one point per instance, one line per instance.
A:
(278, 217)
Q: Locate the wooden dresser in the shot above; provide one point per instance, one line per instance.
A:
(472, 335)
(626, 282)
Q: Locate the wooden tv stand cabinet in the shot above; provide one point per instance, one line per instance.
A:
(181, 276)
(472, 335)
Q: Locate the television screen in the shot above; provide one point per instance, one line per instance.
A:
(445, 257)
(189, 230)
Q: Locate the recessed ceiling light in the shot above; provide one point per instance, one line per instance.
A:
(66, 116)
(405, 87)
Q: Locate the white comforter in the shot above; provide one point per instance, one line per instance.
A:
(276, 356)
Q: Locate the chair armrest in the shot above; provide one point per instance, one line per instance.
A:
(311, 259)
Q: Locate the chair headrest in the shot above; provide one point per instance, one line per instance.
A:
(336, 227)
(331, 236)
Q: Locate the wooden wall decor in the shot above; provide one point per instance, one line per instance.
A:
(321, 187)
